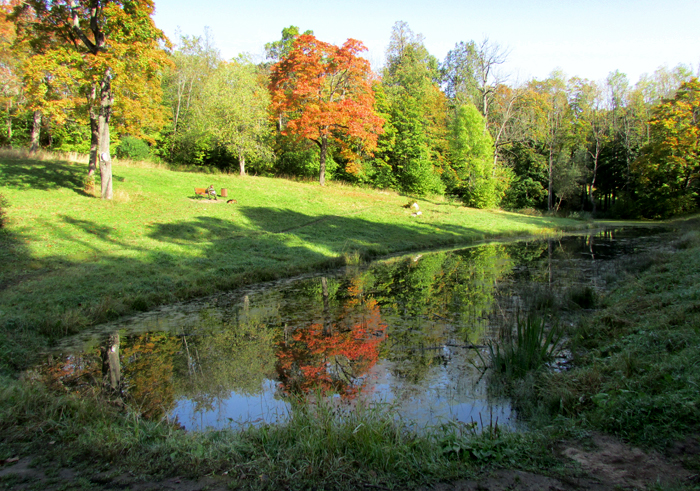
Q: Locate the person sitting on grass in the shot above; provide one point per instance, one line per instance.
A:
(211, 192)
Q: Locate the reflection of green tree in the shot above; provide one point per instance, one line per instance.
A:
(236, 356)
(433, 299)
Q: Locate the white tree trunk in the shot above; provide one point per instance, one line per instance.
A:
(241, 162)
(36, 132)
(106, 101)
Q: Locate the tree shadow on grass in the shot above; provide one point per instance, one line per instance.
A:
(43, 175)
(12, 251)
(197, 257)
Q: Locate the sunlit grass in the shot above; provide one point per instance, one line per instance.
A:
(72, 260)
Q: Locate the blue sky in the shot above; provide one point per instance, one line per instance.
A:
(583, 38)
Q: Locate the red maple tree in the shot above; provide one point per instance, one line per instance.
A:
(324, 92)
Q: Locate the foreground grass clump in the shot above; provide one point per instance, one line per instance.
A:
(529, 348)
(637, 360)
(319, 446)
(71, 260)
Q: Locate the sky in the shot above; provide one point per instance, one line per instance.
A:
(588, 39)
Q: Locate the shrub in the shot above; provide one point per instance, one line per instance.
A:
(133, 148)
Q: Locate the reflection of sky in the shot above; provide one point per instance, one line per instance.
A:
(237, 410)
(442, 396)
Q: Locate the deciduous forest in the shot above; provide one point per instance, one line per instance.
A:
(105, 81)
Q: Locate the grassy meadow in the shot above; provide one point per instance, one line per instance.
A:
(72, 260)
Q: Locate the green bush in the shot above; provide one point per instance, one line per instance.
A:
(133, 148)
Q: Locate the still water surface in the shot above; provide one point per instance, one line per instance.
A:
(406, 331)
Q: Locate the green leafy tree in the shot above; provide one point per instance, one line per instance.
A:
(668, 170)
(277, 50)
(547, 114)
(469, 71)
(235, 111)
(472, 175)
(591, 127)
(194, 61)
(416, 141)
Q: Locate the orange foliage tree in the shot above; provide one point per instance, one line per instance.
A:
(324, 92)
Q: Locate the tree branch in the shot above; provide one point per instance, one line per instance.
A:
(78, 31)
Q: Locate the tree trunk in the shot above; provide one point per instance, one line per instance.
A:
(94, 136)
(111, 367)
(550, 200)
(106, 101)
(9, 123)
(36, 132)
(326, 307)
(241, 162)
(322, 160)
(596, 160)
(94, 146)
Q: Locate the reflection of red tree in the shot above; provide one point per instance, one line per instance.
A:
(147, 368)
(74, 373)
(332, 359)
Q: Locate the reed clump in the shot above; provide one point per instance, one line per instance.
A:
(529, 347)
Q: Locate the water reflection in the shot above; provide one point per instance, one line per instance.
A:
(403, 331)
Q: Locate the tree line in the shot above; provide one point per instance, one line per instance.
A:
(71, 71)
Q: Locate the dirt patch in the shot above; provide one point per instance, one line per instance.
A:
(208, 201)
(619, 465)
(603, 464)
(507, 480)
(22, 475)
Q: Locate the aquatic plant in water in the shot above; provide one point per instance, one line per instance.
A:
(530, 347)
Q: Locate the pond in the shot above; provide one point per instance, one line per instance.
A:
(408, 332)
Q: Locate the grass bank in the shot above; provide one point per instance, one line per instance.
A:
(636, 358)
(71, 260)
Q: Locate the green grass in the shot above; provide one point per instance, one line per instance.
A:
(637, 359)
(71, 260)
(319, 446)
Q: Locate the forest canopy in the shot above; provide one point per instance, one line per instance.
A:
(100, 78)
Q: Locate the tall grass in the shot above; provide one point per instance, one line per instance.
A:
(320, 445)
(3, 210)
(42, 155)
(530, 347)
(636, 362)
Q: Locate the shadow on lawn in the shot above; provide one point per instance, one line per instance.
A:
(333, 235)
(206, 255)
(44, 175)
(12, 251)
